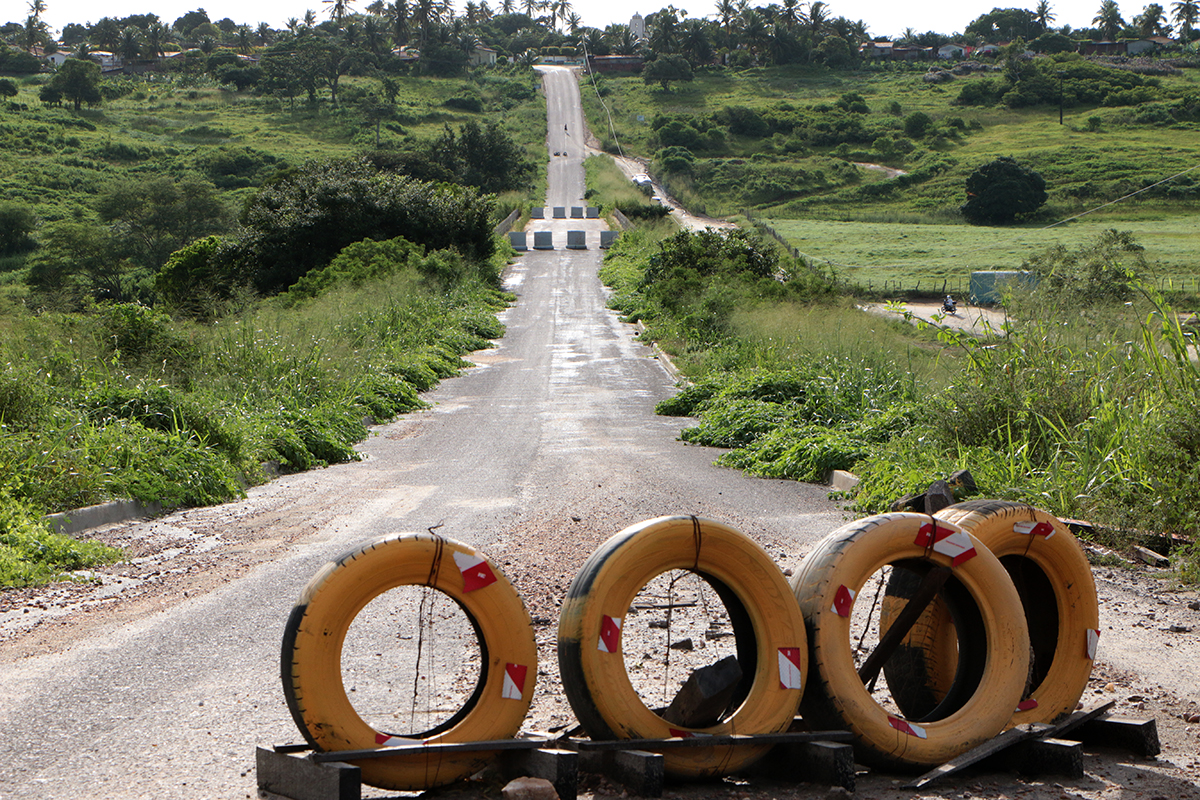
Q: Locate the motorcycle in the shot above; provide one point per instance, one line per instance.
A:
(949, 306)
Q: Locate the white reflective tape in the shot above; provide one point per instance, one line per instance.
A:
(790, 676)
(1093, 640)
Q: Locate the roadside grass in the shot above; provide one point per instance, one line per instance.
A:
(121, 401)
(1085, 405)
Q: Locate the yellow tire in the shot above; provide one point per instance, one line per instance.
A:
(1054, 580)
(316, 630)
(769, 633)
(993, 666)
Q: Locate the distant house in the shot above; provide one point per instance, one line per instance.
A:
(615, 63)
(56, 58)
(911, 53)
(483, 57)
(1102, 48)
(876, 50)
(1148, 45)
(107, 61)
(954, 51)
(407, 55)
(987, 50)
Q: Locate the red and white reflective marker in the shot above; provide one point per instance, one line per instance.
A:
(387, 740)
(1027, 704)
(911, 728)
(678, 734)
(1093, 639)
(1034, 528)
(610, 634)
(948, 541)
(476, 571)
(514, 681)
(790, 676)
(843, 601)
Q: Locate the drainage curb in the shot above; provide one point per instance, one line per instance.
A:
(82, 519)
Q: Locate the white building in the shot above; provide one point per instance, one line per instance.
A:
(637, 26)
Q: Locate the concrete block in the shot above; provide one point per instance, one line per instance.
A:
(592, 212)
(608, 237)
(560, 212)
(298, 778)
(842, 481)
(517, 240)
(576, 240)
(576, 212)
(543, 240)
(537, 213)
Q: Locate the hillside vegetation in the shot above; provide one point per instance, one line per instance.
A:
(781, 143)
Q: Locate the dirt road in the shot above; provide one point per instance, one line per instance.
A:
(159, 680)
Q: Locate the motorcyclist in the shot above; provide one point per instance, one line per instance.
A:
(948, 305)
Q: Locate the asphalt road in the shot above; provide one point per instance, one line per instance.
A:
(537, 455)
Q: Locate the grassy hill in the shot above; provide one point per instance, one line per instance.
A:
(783, 143)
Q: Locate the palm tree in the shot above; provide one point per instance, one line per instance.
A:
(909, 36)
(156, 37)
(292, 24)
(310, 18)
(337, 9)
(373, 35)
(817, 19)
(37, 8)
(791, 13)
(244, 38)
(129, 46)
(727, 11)
(1152, 21)
(426, 14)
(1043, 14)
(398, 15)
(1185, 13)
(508, 6)
(753, 29)
(574, 23)
(1108, 20)
(529, 7)
(378, 8)
(264, 34)
(35, 31)
(694, 42)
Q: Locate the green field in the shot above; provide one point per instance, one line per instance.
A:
(875, 253)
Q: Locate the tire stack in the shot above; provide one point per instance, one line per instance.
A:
(1009, 638)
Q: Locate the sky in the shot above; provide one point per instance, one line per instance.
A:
(884, 18)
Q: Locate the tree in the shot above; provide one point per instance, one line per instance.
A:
(17, 222)
(78, 81)
(1185, 13)
(1005, 23)
(337, 9)
(129, 46)
(152, 219)
(1108, 19)
(1043, 14)
(1152, 21)
(8, 88)
(667, 68)
(1001, 190)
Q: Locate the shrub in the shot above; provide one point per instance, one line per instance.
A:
(1002, 190)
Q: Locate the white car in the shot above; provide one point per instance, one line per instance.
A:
(642, 179)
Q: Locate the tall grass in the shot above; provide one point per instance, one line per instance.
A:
(1084, 405)
(122, 401)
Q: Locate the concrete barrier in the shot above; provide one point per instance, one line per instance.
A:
(608, 237)
(517, 240)
(592, 212)
(576, 212)
(560, 212)
(543, 240)
(537, 213)
(576, 240)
